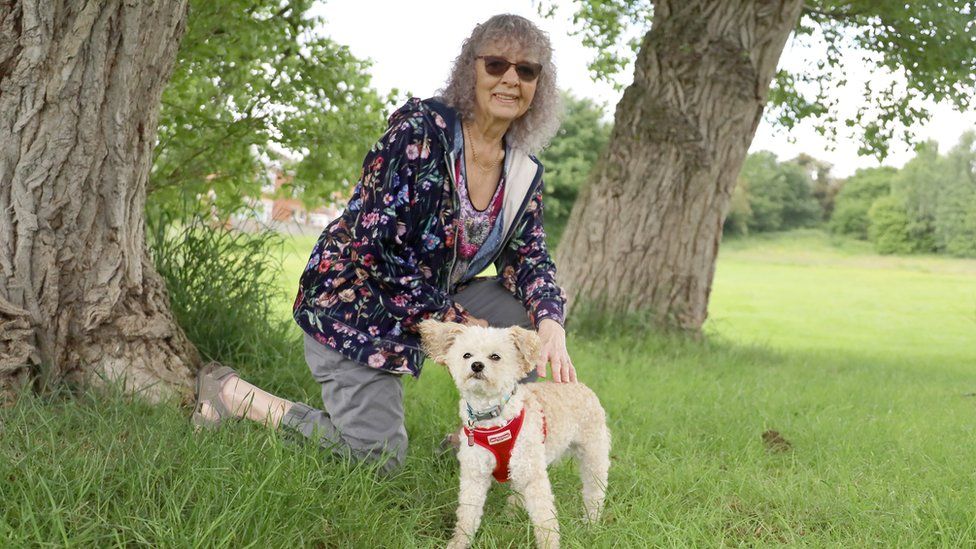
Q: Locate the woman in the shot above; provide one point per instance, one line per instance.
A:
(449, 189)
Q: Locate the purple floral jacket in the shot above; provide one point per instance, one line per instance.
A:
(384, 265)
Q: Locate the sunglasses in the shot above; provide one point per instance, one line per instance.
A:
(497, 66)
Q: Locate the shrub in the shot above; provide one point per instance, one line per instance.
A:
(772, 196)
(222, 288)
(737, 220)
(889, 226)
(850, 215)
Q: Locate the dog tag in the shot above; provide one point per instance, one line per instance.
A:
(470, 439)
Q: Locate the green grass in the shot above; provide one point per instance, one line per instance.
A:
(864, 363)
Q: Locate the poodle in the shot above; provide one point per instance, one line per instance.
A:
(513, 431)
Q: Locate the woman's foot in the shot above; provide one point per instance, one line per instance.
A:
(451, 443)
(210, 409)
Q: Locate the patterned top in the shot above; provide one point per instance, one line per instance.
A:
(384, 265)
(479, 233)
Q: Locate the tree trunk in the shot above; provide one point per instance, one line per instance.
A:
(80, 89)
(650, 221)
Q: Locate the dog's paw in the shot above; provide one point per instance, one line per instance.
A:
(458, 542)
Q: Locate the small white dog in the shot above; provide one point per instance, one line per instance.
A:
(514, 431)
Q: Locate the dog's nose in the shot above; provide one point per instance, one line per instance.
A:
(477, 367)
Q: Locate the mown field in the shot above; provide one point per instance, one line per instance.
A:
(863, 364)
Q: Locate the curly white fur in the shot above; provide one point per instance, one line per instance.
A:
(575, 421)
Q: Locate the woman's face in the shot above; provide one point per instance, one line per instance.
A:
(505, 97)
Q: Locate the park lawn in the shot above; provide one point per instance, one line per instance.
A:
(864, 364)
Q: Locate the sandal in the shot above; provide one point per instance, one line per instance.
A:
(210, 379)
(450, 444)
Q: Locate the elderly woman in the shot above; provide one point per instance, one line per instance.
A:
(449, 189)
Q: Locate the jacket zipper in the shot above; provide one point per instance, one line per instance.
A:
(521, 210)
(457, 206)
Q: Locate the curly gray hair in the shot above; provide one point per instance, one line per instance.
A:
(532, 131)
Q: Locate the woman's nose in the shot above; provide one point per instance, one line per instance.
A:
(511, 76)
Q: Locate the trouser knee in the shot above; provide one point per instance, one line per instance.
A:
(388, 452)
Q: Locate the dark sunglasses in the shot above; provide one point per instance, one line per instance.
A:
(497, 66)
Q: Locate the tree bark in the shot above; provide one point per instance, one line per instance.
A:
(645, 231)
(80, 89)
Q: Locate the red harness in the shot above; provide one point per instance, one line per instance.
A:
(500, 441)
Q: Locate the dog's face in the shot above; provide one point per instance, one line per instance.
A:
(485, 361)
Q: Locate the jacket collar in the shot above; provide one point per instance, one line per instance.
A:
(523, 172)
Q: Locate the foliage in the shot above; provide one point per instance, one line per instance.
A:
(850, 216)
(940, 196)
(220, 285)
(253, 84)
(930, 44)
(955, 213)
(825, 187)
(777, 196)
(570, 157)
(740, 212)
(890, 226)
(919, 185)
(927, 206)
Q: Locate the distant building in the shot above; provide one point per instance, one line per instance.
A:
(283, 213)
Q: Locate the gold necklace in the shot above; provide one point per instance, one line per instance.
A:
(474, 152)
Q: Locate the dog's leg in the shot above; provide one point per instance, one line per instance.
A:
(471, 503)
(541, 506)
(594, 463)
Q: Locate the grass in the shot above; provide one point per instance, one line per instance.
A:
(863, 363)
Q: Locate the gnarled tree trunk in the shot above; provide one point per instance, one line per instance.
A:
(80, 88)
(644, 233)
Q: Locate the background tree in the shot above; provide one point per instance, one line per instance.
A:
(80, 88)
(79, 297)
(916, 189)
(955, 214)
(779, 194)
(569, 158)
(825, 186)
(889, 226)
(938, 197)
(856, 195)
(649, 222)
(255, 80)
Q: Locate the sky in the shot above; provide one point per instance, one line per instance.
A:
(413, 44)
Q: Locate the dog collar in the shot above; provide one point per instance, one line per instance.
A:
(490, 413)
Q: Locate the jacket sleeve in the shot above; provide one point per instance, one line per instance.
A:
(532, 277)
(386, 225)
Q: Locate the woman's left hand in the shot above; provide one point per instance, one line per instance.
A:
(554, 351)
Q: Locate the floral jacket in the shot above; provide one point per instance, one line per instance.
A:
(384, 265)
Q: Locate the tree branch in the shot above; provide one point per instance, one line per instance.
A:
(839, 14)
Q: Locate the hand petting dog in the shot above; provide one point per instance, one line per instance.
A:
(553, 351)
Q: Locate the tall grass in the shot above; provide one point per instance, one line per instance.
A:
(222, 285)
(226, 293)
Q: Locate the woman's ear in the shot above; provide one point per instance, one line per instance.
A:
(528, 344)
(437, 337)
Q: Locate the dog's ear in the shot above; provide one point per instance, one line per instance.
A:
(437, 337)
(528, 344)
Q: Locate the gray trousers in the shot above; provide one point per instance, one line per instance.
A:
(363, 416)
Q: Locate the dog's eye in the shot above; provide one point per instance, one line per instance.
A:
(466, 356)
(494, 356)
